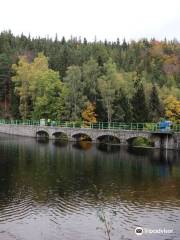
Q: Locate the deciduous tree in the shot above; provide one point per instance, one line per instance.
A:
(172, 109)
(75, 100)
(107, 85)
(88, 114)
(38, 87)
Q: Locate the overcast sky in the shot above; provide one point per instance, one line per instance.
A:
(105, 19)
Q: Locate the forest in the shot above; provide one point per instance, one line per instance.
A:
(76, 80)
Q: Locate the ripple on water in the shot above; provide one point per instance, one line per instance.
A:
(54, 193)
(17, 209)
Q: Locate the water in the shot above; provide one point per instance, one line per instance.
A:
(54, 191)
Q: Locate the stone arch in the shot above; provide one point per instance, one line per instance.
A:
(60, 136)
(81, 137)
(108, 138)
(42, 134)
(142, 138)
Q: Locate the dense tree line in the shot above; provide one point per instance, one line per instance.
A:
(93, 81)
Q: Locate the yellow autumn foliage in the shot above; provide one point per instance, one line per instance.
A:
(172, 109)
(88, 114)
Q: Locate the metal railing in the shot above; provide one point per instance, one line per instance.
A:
(152, 127)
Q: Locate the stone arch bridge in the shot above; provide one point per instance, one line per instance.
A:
(168, 140)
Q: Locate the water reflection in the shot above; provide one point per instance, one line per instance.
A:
(83, 145)
(61, 187)
(109, 148)
(59, 143)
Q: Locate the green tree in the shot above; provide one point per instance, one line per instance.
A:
(38, 87)
(74, 100)
(155, 108)
(5, 79)
(138, 101)
(22, 81)
(107, 85)
(46, 91)
(90, 73)
(122, 107)
(156, 61)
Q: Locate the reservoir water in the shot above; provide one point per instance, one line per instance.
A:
(83, 191)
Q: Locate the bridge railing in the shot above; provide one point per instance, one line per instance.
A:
(153, 127)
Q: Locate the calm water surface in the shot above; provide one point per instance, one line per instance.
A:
(55, 191)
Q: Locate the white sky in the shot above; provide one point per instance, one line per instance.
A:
(132, 19)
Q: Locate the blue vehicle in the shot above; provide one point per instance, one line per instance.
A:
(165, 125)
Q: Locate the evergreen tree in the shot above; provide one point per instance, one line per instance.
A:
(5, 79)
(156, 61)
(122, 108)
(155, 108)
(139, 107)
(14, 104)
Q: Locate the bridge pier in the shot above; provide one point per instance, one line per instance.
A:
(164, 141)
(123, 142)
(71, 138)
